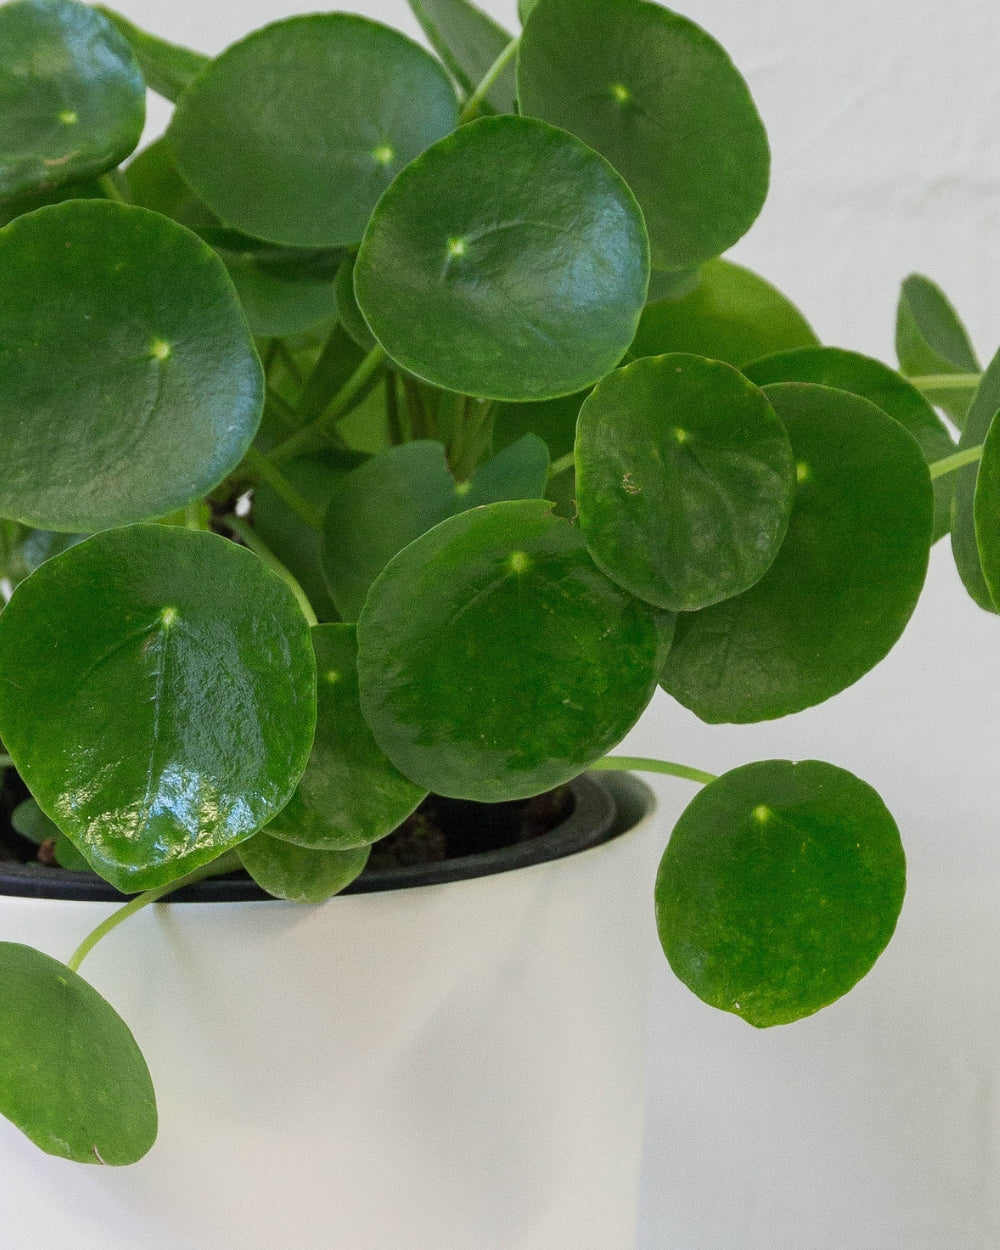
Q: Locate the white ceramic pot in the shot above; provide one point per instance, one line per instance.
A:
(457, 1066)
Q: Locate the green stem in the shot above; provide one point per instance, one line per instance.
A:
(931, 383)
(283, 488)
(107, 185)
(949, 464)
(192, 515)
(638, 764)
(306, 438)
(392, 410)
(264, 552)
(471, 106)
(562, 464)
(225, 863)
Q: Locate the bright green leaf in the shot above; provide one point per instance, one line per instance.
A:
(930, 339)
(779, 889)
(964, 546)
(301, 157)
(158, 389)
(468, 41)
(297, 873)
(157, 696)
(684, 480)
(844, 583)
(496, 661)
(522, 294)
(657, 96)
(71, 1075)
(168, 68)
(72, 98)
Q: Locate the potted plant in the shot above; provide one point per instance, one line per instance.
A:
(391, 428)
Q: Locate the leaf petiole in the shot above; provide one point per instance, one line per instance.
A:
(640, 764)
(304, 440)
(968, 455)
(471, 106)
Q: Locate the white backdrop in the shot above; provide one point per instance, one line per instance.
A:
(876, 1124)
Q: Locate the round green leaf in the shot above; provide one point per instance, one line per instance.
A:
(129, 384)
(398, 495)
(71, 1075)
(986, 514)
(657, 96)
(496, 661)
(844, 583)
(964, 538)
(522, 294)
(157, 694)
(780, 887)
(293, 133)
(349, 795)
(732, 315)
(72, 98)
(684, 480)
(930, 338)
(297, 874)
(861, 375)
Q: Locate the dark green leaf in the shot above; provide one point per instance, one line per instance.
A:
(496, 661)
(779, 889)
(843, 585)
(732, 315)
(861, 375)
(984, 407)
(157, 696)
(657, 96)
(158, 389)
(281, 296)
(88, 189)
(349, 795)
(552, 420)
(301, 157)
(468, 41)
(298, 874)
(684, 480)
(930, 339)
(168, 68)
(71, 1076)
(72, 98)
(522, 294)
(400, 494)
(986, 511)
(347, 307)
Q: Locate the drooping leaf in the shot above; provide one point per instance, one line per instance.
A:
(72, 98)
(844, 583)
(301, 157)
(468, 41)
(349, 795)
(71, 1075)
(684, 480)
(779, 889)
(732, 315)
(158, 389)
(930, 339)
(496, 661)
(657, 96)
(403, 492)
(167, 67)
(298, 874)
(157, 694)
(985, 405)
(861, 375)
(522, 294)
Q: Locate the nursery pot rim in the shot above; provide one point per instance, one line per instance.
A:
(606, 805)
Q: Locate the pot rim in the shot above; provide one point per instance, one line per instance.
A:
(606, 806)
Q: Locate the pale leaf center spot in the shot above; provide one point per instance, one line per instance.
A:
(383, 154)
(68, 117)
(519, 562)
(168, 617)
(803, 472)
(159, 349)
(456, 247)
(620, 93)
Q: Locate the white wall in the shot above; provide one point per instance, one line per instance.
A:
(875, 1125)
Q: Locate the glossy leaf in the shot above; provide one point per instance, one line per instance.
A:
(71, 1075)
(843, 585)
(351, 317)
(301, 158)
(986, 511)
(468, 41)
(657, 96)
(779, 889)
(71, 95)
(861, 375)
(732, 315)
(349, 795)
(496, 661)
(168, 68)
(158, 389)
(157, 694)
(525, 253)
(964, 547)
(930, 339)
(684, 480)
(395, 497)
(298, 874)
